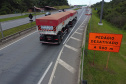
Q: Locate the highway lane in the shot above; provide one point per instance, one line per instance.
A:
(11, 15)
(25, 61)
(14, 23)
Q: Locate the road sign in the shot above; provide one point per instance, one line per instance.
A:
(30, 16)
(105, 42)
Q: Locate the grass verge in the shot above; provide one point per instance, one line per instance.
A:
(97, 74)
(76, 8)
(61, 7)
(17, 29)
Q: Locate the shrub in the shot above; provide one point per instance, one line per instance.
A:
(124, 27)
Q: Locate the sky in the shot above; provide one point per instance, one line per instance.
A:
(84, 2)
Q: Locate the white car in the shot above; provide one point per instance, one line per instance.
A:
(60, 10)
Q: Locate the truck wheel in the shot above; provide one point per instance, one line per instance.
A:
(43, 43)
(72, 24)
(68, 30)
(60, 39)
(67, 27)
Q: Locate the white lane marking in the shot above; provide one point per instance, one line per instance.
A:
(75, 31)
(73, 28)
(18, 40)
(54, 69)
(81, 26)
(67, 66)
(70, 47)
(56, 63)
(81, 29)
(41, 79)
(75, 38)
(78, 33)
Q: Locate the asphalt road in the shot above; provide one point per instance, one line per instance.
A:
(14, 23)
(26, 60)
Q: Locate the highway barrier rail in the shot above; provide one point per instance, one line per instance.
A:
(10, 37)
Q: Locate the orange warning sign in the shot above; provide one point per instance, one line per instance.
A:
(105, 42)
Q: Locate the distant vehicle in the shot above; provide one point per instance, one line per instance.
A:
(47, 13)
(60, 10)
(63, 10)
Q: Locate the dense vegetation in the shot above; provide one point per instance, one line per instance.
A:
(12, 6)
(114, 12)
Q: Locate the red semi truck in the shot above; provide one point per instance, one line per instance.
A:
(52, 28)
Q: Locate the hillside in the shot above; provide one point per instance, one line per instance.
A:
(114, 12)
(12, 6)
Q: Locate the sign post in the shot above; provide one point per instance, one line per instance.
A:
(107, 60)
(94, 57)
(30, 16)
(1, 30)
(105, 42)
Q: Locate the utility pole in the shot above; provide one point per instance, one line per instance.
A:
(100, 23)
(35, 12)
(1, 30)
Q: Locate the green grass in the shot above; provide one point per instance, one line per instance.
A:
(61, 7)
(17, 29)
(97, 73)
(18, 17)
(76, 8)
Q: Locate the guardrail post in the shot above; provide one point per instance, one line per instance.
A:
(1, 30)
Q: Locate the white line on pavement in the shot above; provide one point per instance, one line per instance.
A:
(81, 29)
(18, 40)
(56, 63)
(75, 39)
(70, 47)
(82, 26)
(67, 66)
(54, 69)
(73, 28)
(77, 29)
(40, 81)
(78, 33)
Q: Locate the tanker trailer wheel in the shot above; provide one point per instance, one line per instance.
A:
(67, 27)
(60, 40)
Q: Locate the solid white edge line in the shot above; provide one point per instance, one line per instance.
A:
(78, 28)
(41, 79)
(54, 69)
(18, 40)
(72, 29)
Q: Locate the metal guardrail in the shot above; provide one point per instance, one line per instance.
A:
(16, 34)
(83, 53)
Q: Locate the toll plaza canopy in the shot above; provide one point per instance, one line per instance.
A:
(53, 20)
(72, 12)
